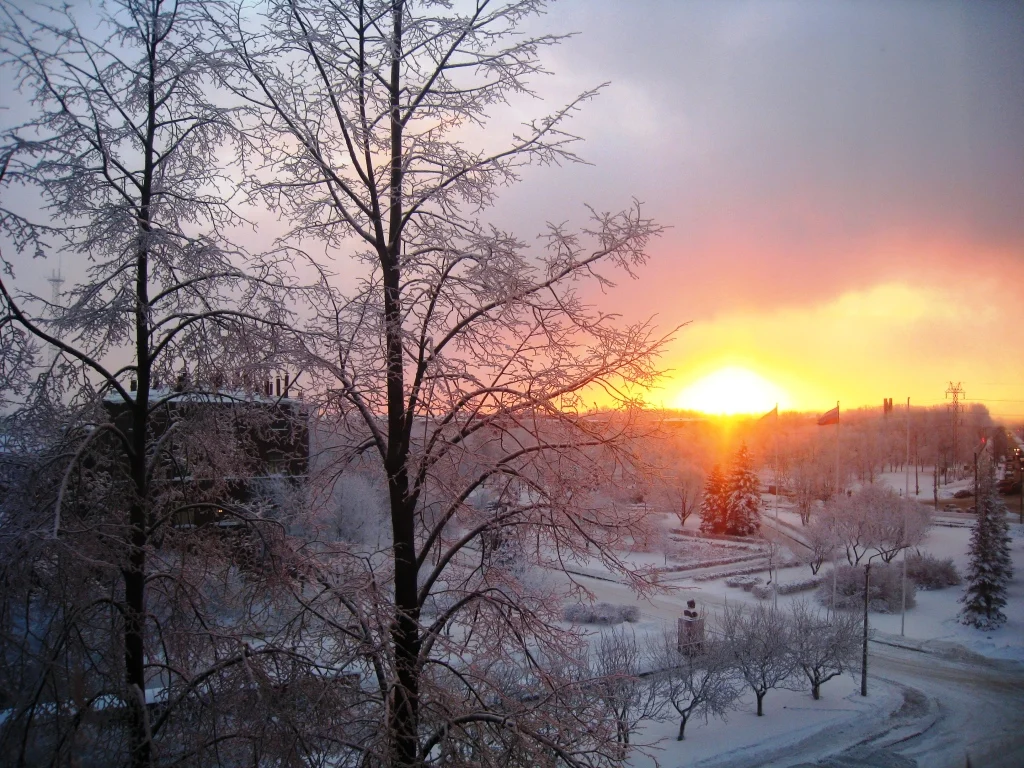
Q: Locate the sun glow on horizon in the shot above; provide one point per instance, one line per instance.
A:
(730, 391)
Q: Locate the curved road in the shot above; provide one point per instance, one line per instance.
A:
(976, 707)
(955, 704)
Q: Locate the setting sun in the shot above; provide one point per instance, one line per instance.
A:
(731, 391)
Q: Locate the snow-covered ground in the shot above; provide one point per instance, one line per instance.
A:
(921, 682)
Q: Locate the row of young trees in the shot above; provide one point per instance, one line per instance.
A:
(441, 352)
(872, 443)
(874, 519)
(756, 649)
(731, 503)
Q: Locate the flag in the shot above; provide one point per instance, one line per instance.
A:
(773, 412)
(829, 417)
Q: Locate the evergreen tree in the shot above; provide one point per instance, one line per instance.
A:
(743, 497)
(714, 504)
(990, 569)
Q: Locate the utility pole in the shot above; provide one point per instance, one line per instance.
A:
(906, 501)
(954, 408)
(917, 461)
(1020, 463)
(864, 657)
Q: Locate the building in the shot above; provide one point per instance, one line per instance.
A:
(223, 455)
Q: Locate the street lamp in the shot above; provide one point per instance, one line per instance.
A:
(864, 657)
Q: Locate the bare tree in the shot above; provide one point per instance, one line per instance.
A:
(683, 491)
(899, 524)
(876, 518)
(822, 544)
(696, 684)
(823, 646)
(460, 359)
(850, 521)
(759, 642)
(122, 158)
(807, 487)
(618, 661)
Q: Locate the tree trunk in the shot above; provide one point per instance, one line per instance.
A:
(816, 690)
(682, 729)
(134, 575)
(404, 713)
(134, 644)
(760, 700)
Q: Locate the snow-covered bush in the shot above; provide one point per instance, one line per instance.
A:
(885, 594)
(746, 582)
(601, 613)
(763, 591)
(801, 585)
(929, 572)
(759, 568)
(713, 562)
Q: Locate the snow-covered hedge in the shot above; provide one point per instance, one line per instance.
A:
(745, 582)
(929, 572)
(885, 595)
(600, 613)
(800, 585)
(737, 542)
(711, 563)
(741, 571)
(763, 591)
(789, 588)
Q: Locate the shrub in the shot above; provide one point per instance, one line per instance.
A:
(759, 568)
(801, 585)
(747, 582)
(601, 613)
(885, 588)
(929, 572)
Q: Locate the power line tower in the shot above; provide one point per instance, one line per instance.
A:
(56, 281)
(954, 408)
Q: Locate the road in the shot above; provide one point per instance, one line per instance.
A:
(955, 705)
(976, 708)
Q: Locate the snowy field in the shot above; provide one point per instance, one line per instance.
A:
(798, 730)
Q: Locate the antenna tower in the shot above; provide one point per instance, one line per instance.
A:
(954, 408)
(56, 281)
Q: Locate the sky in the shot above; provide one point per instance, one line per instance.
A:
(843, 183)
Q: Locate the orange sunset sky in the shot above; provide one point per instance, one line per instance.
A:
(844, 187)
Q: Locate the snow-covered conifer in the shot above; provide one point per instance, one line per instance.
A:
(990, 569)
(713, 506)
(743, 497)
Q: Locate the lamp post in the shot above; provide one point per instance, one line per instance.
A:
(864, 656)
